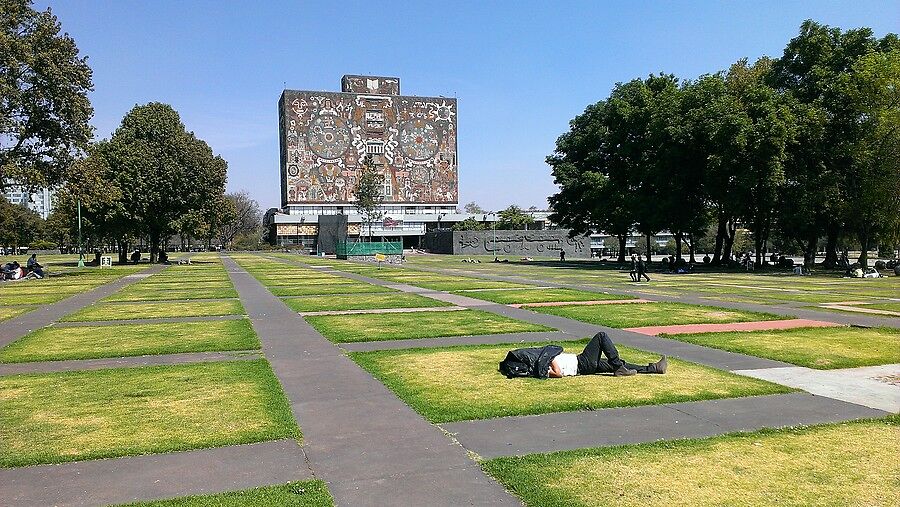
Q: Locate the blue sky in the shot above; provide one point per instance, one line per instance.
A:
(520, 69)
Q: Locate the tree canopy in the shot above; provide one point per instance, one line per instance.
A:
(44, 107)
(804, 147)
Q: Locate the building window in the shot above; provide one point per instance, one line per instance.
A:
(386, 189)
(374, 148)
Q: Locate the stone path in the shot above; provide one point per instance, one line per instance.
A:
(859, 309)
(763, 325)
(587, 303)
(512, 436)
(863, 386)
(121, 480)
(366, 444)
(17, 327)
(125, 362)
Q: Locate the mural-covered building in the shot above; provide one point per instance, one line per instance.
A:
(325, 136)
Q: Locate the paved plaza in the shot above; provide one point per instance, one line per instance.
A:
(364, 433)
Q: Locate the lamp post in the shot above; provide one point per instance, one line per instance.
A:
(80, 249)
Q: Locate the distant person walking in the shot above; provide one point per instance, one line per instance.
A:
(634, 268)
(562, 256)
(641, 270)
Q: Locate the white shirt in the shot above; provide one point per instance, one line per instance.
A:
(568, 364)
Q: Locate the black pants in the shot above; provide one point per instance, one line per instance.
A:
(591, 361)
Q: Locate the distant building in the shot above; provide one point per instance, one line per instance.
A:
(40, 201)
(324, 139)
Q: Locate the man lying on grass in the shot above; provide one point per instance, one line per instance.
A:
(551, 361)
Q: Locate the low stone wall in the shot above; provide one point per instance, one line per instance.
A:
(541, 243)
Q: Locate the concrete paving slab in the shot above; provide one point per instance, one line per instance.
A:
(340, 446)
(862, 386)
(17, 327)
(860, 309)
(125, 362)
(449, 341)
(157, 476)
(763, 325)
(513, 436)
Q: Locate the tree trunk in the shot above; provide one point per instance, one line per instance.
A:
(809, 252)
(720, 239)
(154, 246)
(831, 257)
(622, 239)
(649, 240)
(122, 246)
(730, 234)
(691, 248)
(678, 239)
(864, 244)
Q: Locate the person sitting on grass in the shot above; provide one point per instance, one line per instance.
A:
(35, 267)
(551, 361)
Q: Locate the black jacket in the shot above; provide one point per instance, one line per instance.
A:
(530, 362)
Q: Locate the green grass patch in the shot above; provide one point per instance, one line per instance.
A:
(77, 415)
(362, 302)
(320, 280)
(88, 342)
(814, 347)
(310, 290)
(470, 386)
(791, 467)
(312, 493)
(524, 296)
(399, 326)
(653, 314)
(891, 307)
(144, 294)
(152, 310)
(8, 313)
(34, 299)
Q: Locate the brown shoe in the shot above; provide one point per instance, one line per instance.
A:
(624, 372)
(660, 366)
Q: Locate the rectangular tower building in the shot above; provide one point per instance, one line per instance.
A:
(325, 137)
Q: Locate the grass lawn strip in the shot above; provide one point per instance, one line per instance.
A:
(362, 302)
(312, 493)
(8, 313)
(308, 290)
(653, 314)
(524, 296)
(163, 295)
(59, 417)
(64, 343)
(891, 307)
(820, 348)
(151, 310)
(470, 387)
(400, 326)
(790, 467)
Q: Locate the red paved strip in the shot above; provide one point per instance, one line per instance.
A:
(765, 325)
(571, 303)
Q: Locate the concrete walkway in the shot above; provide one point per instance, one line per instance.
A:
(860, 309)
(17, 327)
(762, 325)
(512, 436)
(864, 386)
(366, 444)
(121, 480)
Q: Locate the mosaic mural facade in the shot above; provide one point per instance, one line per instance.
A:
(325, 136)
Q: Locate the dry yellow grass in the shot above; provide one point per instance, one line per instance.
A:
(851, 464)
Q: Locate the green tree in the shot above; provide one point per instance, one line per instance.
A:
(469, 224)
(473, 208)
(813, 70)
(242, 217)
(44, 107)
(19, 226)
(513, 218)
(369, 192)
